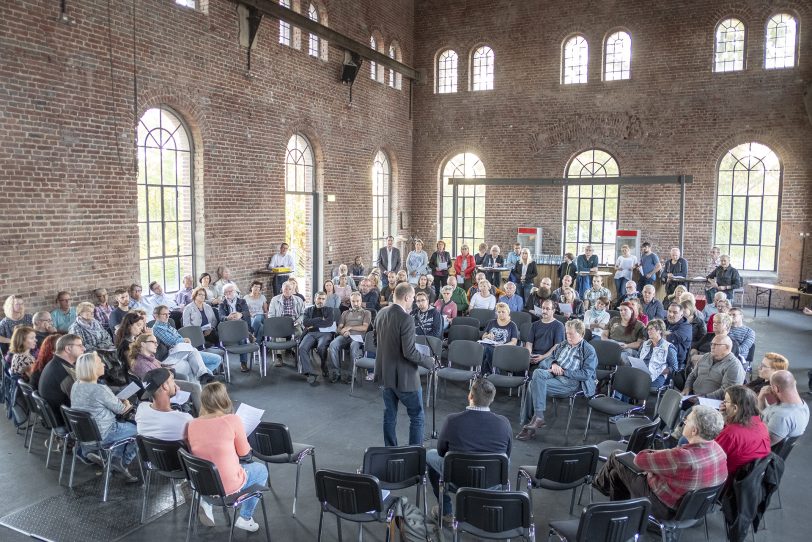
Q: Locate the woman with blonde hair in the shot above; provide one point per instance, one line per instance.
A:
(14, 310)
(417, 263)
(483, 299)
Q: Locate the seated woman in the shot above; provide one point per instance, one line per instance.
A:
(479, 277)
(295, 284)
(343, 289)
(199, 313)
(44, 357)
(424, 284)
(15, 315)
(698, 329)
(141, 360)
(211, 295)
(257, 308)
(638, 310)
(483, 299)
(597, 318)
(626, 329)
(97, 339)
(659, 355)
(745, 437)
(479, 257)
(676, 296)
(23, 342)
(218, 436)
(332, 298)
(771, 363)
(131, 327)
(97, 399)
(357, 269)
(499, 332)
(576, 306)
(445, 306)
(525, 272)
(722, 307)
(464, 267)
(224, 279)
(375, 282)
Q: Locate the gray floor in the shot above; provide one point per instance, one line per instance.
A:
(341, 427)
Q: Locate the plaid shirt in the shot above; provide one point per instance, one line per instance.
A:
(674, 472)
(102, 314)
(288, 308)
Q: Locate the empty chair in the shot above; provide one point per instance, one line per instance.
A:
(465, 321)
(33, 412)
(608, 353)
(364, 362)
(206, 484)
(398, 467)
(160, 457)
(197, 340)
(476, 470)
(693, 506)
(631, 382)
(278, 334)
(234, 338)
(483, 315)
(616, 521)
(668, 410)
(57, 429)
(463, 333)
(511, 365)
(352, 497)
(560, 469)
(495, 515)
(642, 438)
(464, 358)
(520, 318)
(274, 445)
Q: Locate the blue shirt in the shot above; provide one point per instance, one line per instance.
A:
(515, 302)
(545, 336)
(166, 334)
(512, 258)
(63, 321)
(648, 262)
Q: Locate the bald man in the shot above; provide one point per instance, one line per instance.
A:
(782, 409)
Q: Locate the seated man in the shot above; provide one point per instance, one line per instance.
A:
(59, 375)
(157, 419)
(514, 301)
(184, 296)
(784, 412)
(475, 430)
(711, 307)
(159, 297)
(369, 296)
(678, 332)
(723, 279)
(389, 290)
(183, 357)
(122, 299)
(63, 315)
(427, 319)
(458, 296)
(569, 368)
(546, 333)
(744, 336)
(652, 307)
(287, 304)
(43, 326)
(139, 301)
(715, 371)
(103, 309)
(629, 294)
(664, 476)
(536, 300)
(235, 308)
(558, 293)
(355, 321)
(597, 290)
(319, 323)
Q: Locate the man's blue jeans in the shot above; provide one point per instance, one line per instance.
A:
(413, 401)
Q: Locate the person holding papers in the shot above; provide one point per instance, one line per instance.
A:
(569, 305)
(352, 327)
(439, 262)
(183, 357)
(498, 332)
(142, 360)
(219, 436)
(675, 268)
(446, 306)
(157, 419)
(536, 300)
(200, 313)
(319, 324)
(656, 355)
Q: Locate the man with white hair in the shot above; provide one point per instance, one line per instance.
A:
(43, 326)
(724, 278)
(652, 307)
(710, 305)
(677, 266)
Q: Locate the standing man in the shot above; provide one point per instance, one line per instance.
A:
(388, 260)
(649, 266)
(512, 259)
(396, 363)
(281, 259)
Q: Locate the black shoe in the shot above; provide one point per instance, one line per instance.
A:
(311, 379)
(119, 467)
(206, 378)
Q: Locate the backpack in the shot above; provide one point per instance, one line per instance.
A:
(409, 523)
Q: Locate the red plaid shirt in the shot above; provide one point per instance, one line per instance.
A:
(672, 473)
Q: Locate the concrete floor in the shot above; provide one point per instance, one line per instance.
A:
(341, 427)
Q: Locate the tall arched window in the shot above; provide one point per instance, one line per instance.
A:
(313, 42)
(482, 68)
(373, 66)
(782, 32)
(618, 56)
(574, 59)
(166, 250)
(284, 26)
(300, 173)
(590, 211)
(729, 49)
(463, 206)
(395, 78)
(447, 72)
(747, 204)
(381, 189)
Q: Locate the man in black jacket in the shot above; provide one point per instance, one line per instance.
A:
(319, 324)
(678, 332)
(59, 375)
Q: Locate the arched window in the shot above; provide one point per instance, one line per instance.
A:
(166, 250)
(590, 210)
(463, 205)
(300, 173)
(747, 202)
(313, 42)
(381, 189)
(284, 26)
(729, 49)
(395, 79)
(482, 68)
(575, 57)
(447, 72)
(782, 32)
(618, 56)
(373, 66)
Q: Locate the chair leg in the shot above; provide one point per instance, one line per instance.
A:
(192, 507)
(352, 378)
(108, 462)
(572, 500)
(296, 488)
(146, 496)
(72, 466)
(50, 444)
(588, 418)
(338, 527)
(569, 420)
(233, 522)
(64, 453)
(265, 517)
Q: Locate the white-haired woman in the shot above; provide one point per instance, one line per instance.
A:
(14, 309)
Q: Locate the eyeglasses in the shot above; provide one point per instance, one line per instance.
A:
(153, 342)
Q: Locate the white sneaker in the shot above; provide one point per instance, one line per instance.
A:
(246, 524)
(204, 512)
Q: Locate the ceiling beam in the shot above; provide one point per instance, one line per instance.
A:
(637, 179)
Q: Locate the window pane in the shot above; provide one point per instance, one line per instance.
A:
(722, 233)
(780, 42)
(574, 65)
(470, 202)
(447, 72)
(482, 67)
(729, 48)
(618, 57)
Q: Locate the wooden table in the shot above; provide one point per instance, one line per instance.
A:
(764, 288)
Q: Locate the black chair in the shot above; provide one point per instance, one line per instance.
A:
(608, 354)
(352, 497)
(642, 438)
(693, 506)
(398, 467)
(160, 457)
(278, 334)
(520, 318)
(467, 354)
(561, 318)
(616, 521)
(483, 315)
(86, 433)
(435, 345)
(513, 362)
(274, 445)
(204, 479)
(465, 321)
(57, 428)
(559, 469)
(495, 515)
(234, 339)
(782, 449)
(463, 332)
(476, 470)
(631, 382)
(33, 413)
(198, 340)
(526, 333)
(668, 410)
(364, 362)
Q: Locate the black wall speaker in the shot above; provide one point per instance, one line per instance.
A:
(349, 70)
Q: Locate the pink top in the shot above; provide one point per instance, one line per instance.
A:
(222, 441)
(449, 310)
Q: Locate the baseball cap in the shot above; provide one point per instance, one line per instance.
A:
(155, 378)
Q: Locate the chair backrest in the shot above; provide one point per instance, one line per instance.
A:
(370, 345)
(608, 353)
(526, 332)
(483, 315)
(751, 354)
(27, 391)
(435, 344)
(505, 513)
(465, 321)
(520, 318)
(278, 327)
(82, 425)
(395, 467)
(162, 455)
(669, 408)
(203, 475)
(465, 353)
(615, 521)
(632, 382)
(272, 438)
(783, 447)
(568, 465)
(194, 334)
(514, 359)
(475, 470)
(561, 318)
(463, 333)
(613, 313)
(642, 438)
(348, 493)
(695, 504)
(47, 413)
(232, 332)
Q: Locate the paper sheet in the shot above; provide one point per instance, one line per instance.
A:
(130, 390)
(180, 397)
(357, 338)
(713, 403)
(487, 341)
(638, 363)
(331, 329)
(442, 266)
(423, 349)
(537, 311)
(207, 327)
(688, 397)
(565, 309)
(250, 417)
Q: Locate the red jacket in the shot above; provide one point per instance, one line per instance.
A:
(468, 270)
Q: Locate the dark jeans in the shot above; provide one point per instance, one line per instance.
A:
(619, 482)
(644, 282)
(413, 401)
(278, 281)
(620, 286)
(439, 282)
